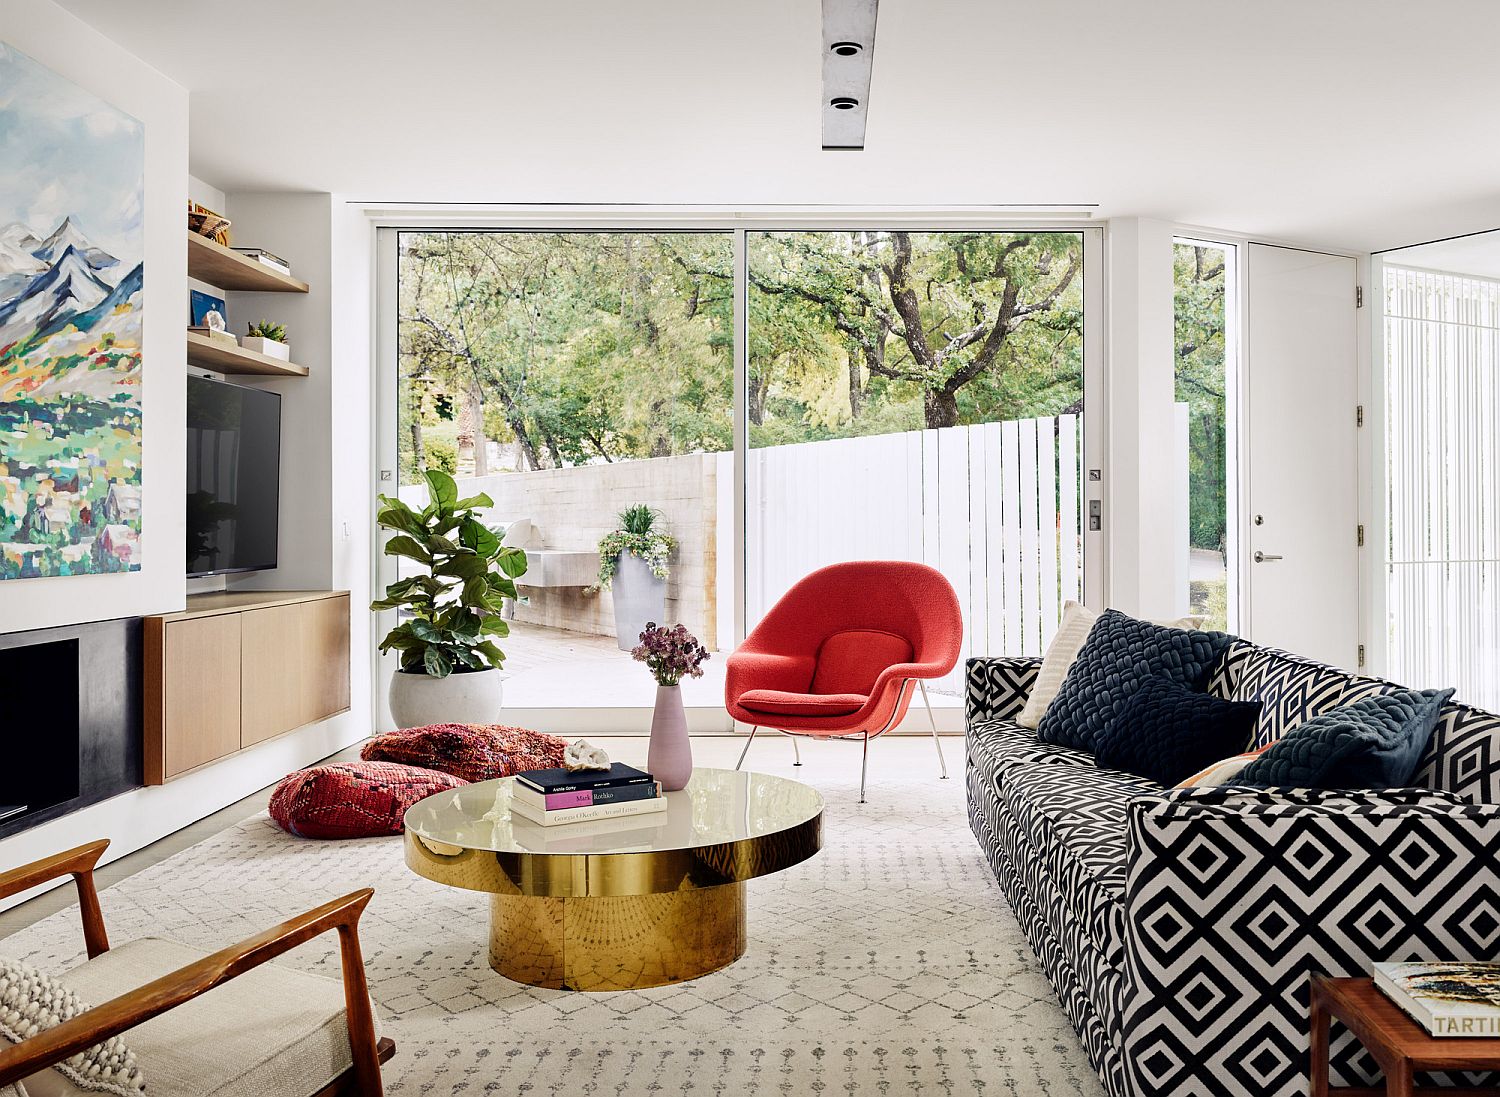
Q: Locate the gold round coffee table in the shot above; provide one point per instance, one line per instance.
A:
(617, 904)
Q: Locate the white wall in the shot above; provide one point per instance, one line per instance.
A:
(70, 47)
(1143, 472)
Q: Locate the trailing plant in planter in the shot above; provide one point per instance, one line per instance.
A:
(636, 535)
(455, 606)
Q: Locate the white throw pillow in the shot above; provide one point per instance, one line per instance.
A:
(31, 1002)
(1067, 642)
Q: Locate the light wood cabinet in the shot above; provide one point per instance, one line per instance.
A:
(236, 669)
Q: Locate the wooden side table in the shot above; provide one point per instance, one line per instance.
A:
(1395, 1041)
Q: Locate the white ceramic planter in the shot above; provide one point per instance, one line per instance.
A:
(268, 347)
(640, 598)
(419, 699)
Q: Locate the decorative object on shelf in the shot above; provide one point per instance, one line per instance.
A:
(353, 799)
(671, 654)
(475, 752)
(205, 222)
(205, 310)
(267, 338)
(449, 670)
(633, 565)
(582, 755)
(70, 326)
(266, 259)
(217, 334)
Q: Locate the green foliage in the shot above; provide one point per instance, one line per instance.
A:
(1200, 313)
(454, 609)
(637, 535)
(265, 329)
(442, 455)
(590, 347)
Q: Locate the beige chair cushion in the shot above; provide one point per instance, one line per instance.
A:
(272, 1032)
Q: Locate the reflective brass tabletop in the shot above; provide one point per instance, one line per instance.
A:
(725, 827)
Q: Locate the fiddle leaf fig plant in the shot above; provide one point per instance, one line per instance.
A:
(453, 610)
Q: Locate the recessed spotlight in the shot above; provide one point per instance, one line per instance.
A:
(846, 49)
(843, 102)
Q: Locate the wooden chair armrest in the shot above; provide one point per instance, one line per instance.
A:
(52, 1046)
(78, 863)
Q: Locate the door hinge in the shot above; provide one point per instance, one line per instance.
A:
(1359, 297)
(1360, 535)
(1359, 415)
(1361, 655)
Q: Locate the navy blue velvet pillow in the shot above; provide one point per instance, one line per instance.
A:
(1120, 654)
(1373, 743)
(1166, 733)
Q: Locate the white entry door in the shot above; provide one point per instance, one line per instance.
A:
(1302, 454)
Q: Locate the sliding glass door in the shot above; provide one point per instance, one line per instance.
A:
(920, 396)
(777, 399)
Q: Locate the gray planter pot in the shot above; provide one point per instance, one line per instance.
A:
(418, 700)
(640, 598)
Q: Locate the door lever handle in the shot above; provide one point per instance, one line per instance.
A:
(1264, 557)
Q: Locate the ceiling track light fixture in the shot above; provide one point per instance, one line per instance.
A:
(848, 56)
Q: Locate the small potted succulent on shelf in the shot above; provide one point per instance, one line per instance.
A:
(633, 566)
(450, 666)
(268, 338)
(671, 654)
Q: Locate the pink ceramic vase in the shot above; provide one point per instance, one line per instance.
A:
(670, 755)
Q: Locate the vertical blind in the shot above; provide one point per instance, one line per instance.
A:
(1443, 475)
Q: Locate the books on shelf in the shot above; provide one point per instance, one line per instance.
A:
(1459, 998)
(557, 816)
(218, 335)
(266, 258)
(549, 781)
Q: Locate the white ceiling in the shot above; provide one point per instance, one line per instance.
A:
(1477, 255)
(1357, 123)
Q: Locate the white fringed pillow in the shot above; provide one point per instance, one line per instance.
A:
(31, 1002)
(1067, 642)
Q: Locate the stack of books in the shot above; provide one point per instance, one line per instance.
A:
(548, 797)
(266, 259)
(1458, 998)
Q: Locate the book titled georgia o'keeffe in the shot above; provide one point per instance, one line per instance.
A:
(599, 811)
(584, 797)
(561, 780)
(1458, 998)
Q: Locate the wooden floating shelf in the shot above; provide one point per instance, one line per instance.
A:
(226, 268)
(223, 358)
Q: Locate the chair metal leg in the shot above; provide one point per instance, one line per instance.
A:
(746, 751)
(864, 766)
(932, 720)
(796, 750)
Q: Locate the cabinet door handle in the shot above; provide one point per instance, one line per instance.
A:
(1264, 557)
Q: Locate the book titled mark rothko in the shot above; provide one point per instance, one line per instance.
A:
(1447, 999)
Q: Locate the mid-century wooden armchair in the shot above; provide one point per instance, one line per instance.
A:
(180, 988)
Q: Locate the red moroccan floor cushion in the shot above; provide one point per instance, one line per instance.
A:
(475, 752)
(353, 799)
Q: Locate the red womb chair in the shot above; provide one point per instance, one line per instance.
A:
(838, 656)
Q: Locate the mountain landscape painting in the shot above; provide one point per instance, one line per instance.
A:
(72, 180)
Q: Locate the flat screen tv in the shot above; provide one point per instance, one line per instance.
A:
(233, 477)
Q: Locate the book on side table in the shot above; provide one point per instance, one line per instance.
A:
(548, 797)
(1460, 998)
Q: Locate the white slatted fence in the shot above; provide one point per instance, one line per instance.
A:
(995, 507)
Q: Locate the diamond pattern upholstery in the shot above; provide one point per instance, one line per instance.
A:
(1179, 926)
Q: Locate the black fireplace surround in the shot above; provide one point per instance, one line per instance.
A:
(71, 714)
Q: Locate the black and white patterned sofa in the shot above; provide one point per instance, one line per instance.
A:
(1179, 926)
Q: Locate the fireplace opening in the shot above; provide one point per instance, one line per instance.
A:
(39, 683)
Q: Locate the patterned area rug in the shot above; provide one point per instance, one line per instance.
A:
(888, 964)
